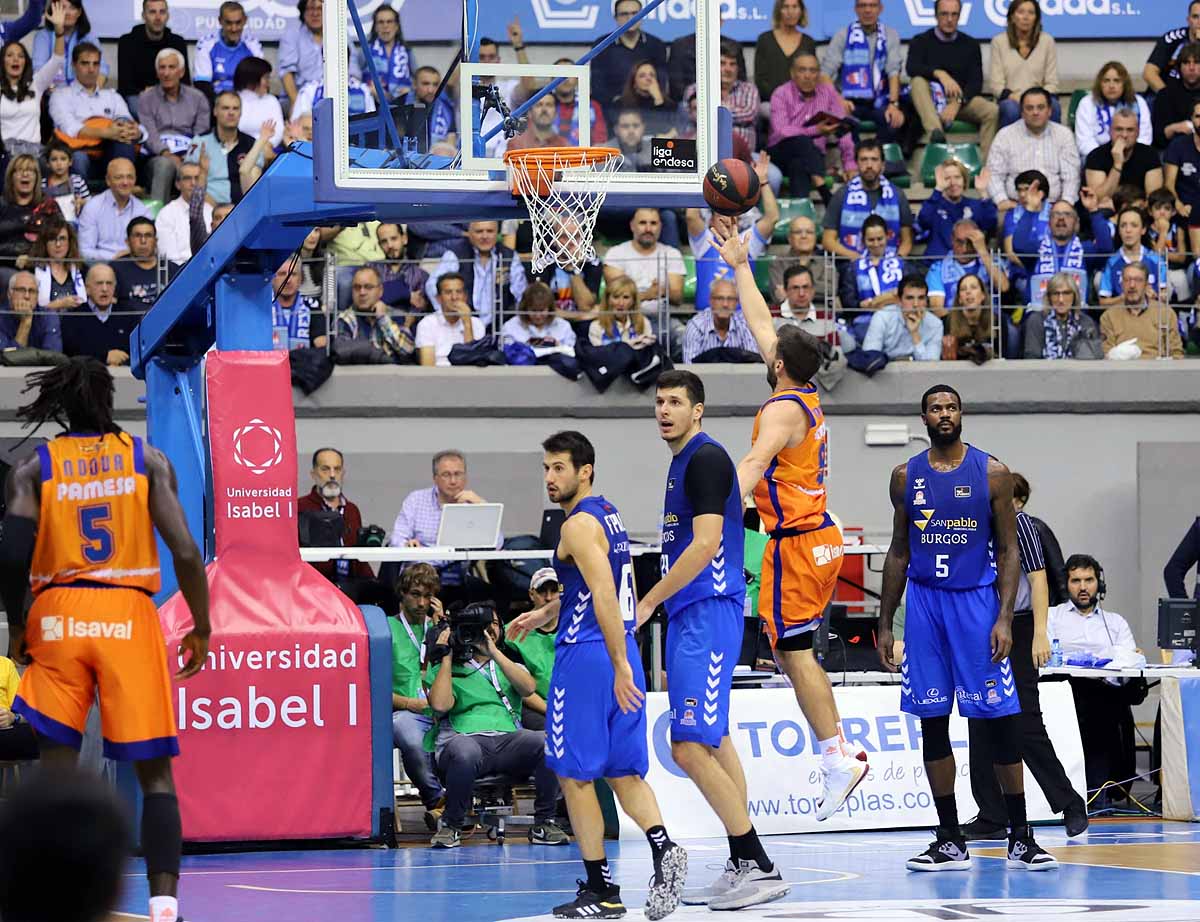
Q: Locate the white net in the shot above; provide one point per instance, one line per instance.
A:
(563, 191)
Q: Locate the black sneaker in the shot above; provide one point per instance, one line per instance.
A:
(1024, 854)
(1075, 818)
(666, 886)
(590, 905)
(943, 854)
(979, 828)
(937, 136)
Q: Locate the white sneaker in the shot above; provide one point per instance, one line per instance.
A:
(839, 783)
(719, 887)
(750, 887)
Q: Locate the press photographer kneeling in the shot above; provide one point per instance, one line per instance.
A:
(477, 688)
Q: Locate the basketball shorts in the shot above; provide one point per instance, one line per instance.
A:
(587, 734)
(81, 640)
(703, 643)
(948, 655)
(799, 575)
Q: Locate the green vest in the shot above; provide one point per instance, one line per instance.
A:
(406, 658)
(477, 707)
(538, 651)
(756, 545)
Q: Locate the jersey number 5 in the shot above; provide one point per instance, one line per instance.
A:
(941, 566)
(97, 536)
(625, 594)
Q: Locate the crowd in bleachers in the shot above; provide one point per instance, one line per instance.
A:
(110, 184)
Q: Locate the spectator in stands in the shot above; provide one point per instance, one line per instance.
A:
(969, 324)
(19, 209)
(105, 220)
(92, 119)
(566, 110)
(800, 147)
(57, 268)
(1034, 143)
(945, 66)
(610, 69)
(252, 83)
(1181, 176)
(642, 258)
(630, 139)
(740, 97)
(1131, 229)
(867, 193)
(620, 321)
(137, 52)
(1168, 238)
(441, 110)
(291, 318)
(970, 256)
(720, 332)
(14, 30)
(949, 204)
(485, 265)
(351, 246)
(301, 57)
(1061, 330)
(385, 47)
(22, 89)
(62, 183)
(643, 92)
(219, 53)
(540, 127)
(174, 237)
(451, 324)
(1122, 161)
(403, 279)
(138, 280)
(25, 325)
(536, 324)
(96, 329)
(1174, 104)
(801, 250)
(576, 289)
(1060, 249)
(200, 226)
(226, 148)
(1163, 63)
(1023, 57)
(173, 115)
(906, 330)
(417, 590)
(328, 494)
(863, 61)
(1112, 90)
(776, 49)
(799, 297)
(368, 319)
(75, 29)
(479, 700)
(872, 281)
(18, 743)
(1141, 317)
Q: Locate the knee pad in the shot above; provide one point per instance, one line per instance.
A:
(162, 833)
(935, 738)
(1005, 736)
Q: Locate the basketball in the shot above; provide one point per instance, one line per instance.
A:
(731, 187)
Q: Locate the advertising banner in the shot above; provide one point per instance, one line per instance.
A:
(780, 757)
(275, 731)
(1181, 748)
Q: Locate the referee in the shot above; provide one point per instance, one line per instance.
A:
(1030, 651)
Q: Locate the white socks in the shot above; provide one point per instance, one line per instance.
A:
(831, 752)
(164, 909)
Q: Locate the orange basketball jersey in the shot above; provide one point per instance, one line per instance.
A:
(95, 526)
(791, 494)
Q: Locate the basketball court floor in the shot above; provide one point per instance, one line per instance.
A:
(1123, 870)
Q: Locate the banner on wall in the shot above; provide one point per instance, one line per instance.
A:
(583, 21)
(780, 757)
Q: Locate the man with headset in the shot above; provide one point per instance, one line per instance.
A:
(1102, 706)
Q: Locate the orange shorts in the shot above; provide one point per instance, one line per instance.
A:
(83, 638)
(799, 574)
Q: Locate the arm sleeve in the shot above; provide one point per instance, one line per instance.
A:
(831, 56)
(1160, 54)
(1145, 123)
(930, 349)
(918, 63)
(26, 22)
(873, 341)
(1185, 557)
(996, 75)
(972, 85)
(289, 51)
(44, 78)
(1029, 545)
(708, 480)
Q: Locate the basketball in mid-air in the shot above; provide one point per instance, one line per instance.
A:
(731, 187)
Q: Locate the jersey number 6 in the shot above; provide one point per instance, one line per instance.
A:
(625, 594)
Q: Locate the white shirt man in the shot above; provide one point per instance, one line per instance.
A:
(446, 328)
(1080, 624)
(174, 234)
(643, 258)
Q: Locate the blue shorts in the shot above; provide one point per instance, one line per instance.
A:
(703, 643)
(948, 655)
(587, 734)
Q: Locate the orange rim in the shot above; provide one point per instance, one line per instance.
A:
(542, 160)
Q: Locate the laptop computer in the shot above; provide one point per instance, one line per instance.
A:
(470, 526)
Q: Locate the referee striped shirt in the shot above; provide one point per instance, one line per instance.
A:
(1032, 560)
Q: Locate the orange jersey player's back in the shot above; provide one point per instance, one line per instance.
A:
(791, 493)
(95, 526)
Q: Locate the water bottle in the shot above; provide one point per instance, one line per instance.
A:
(1056, 654)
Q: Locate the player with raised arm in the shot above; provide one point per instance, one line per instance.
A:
(954, 542)
(80, 529)
(704, 589)
(595, 721)
(786, 470)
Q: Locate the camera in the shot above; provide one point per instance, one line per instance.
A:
(468, 626)
(370, 536)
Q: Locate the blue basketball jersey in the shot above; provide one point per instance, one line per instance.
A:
(577, 617)
(724, 576)
(950, 523)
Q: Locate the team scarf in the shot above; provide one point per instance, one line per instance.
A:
(359, 99)
(877, 277)
(953, 271)
(1041, 224)
(392, 67)
(1059, 337)
(857, 208)
(863, 70)
(1050, 260)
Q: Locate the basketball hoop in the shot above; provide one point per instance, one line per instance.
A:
(563, 188)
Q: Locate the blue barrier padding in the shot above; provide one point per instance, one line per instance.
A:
(379, 652)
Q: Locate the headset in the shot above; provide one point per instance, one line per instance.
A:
(1085, 562)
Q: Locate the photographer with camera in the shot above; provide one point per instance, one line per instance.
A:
(477, 688)
(537, 647)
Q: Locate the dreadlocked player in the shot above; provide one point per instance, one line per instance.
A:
(80, 530)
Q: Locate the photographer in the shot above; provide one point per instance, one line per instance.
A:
(537, 648)
(478, 688)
